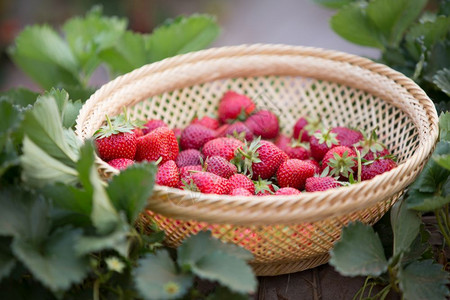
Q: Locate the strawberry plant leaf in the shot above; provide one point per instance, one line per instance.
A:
(7, 260)
(182, 35)
(19, 96)
(359, 252)
(443, 160)
(156, 277)
(68, 109)
(442, 79)
(405, 226)
(132, 198)
(334, 3)
(423, 280)
(444, 126)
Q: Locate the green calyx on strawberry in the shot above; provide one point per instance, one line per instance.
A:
(321, 142)
(264, 187)
(306, 127)
(370, 143)
(328, 138)
(117, 126)
(342, 161)
(246, 156)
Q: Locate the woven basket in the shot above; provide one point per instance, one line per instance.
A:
(284, 233)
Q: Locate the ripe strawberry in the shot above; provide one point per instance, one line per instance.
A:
(138, 132)
(242, 181)
(222, 146)
(189, 157)
(370, 148)
(314, 184)
(377, 154)
(194, 136)
(185, 174)
(294, 172)
(341, 160)
(346, 136)
(233, 106)
(373, 168)
(259, 159)
(315, 163)
(121, 163)
(239, 131)
(168, 174)
(287, 191)
(240, 192)
(160, 142)
(221, 130)
(305, 128)
(264, 187)
(115, 141)
(220, 166)
(298, 150)
(282, 141)
(264, 123)
(321, 142)
(209, 183)
(206, 121)
(153, 124)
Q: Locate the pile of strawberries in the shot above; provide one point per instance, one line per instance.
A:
(242, 152)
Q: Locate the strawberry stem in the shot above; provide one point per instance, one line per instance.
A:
(109, 122)
(358, 154)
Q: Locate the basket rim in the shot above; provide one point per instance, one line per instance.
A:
(282, 208)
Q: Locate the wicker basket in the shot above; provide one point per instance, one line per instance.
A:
(290, 233)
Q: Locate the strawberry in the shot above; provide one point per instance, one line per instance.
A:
(177, 132)
(305, 128)
(194, 136)
(321, 142)
(264, 123)
(315, 163)
(282, 141)
(222, 146)
(341, 161)
(233, 106)
(297, 150)
(259, 159)
(314, 184)
(168, 174)
(346, 136)
(242, 181)
(209, 183)
(377, 154)
(115, 141)
(264, 187)
(221, 130)
(206, 121)
(220, 166)
(138, 132)
(376, 167)
(294, 172)
(185, 174)
(121, 163)
(189, 157)
(240, 131)
(160, 142)
(240, 192)
(370, 148)
(153, 124)
(287, 191)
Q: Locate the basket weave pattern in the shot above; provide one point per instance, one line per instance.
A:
(289, 233)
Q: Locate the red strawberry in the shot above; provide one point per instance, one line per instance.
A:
(294, 172)
(315, 163)
(314, 184)
(264, 123)
(346, 136)
(306, 127)
(121, 163)
(223, 146)
(259, 159)
(161, 142)
(220, 166)
(209, 183)
(242, 181)
(341, 160)
(194, 136)
(264, 187)
(221, 130)
(177, 132)
(189, 157)
(186, 172)
(234, 105)
(321, 142)
(240, 131)
(168, 174)
(298, 150)
(240, 192)
(206, 121)
(115, 141)
(373, 168)
(138, 132)
(282, 141)
(377, 154)
(153, 124)
(370, 148)
(287, 191)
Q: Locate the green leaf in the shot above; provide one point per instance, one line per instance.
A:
(444, 126)
(423, 280)
(7, 260)
(181, 36)
(405, 226)
(359, 252)
(438, 58)
(392, 18)
(130, 190)
(41, 53)
(69, 198)
(352, 24)
(19, 96)
(334, 3)
(55, 262)
(156, 277)
(443, 160)
(67, 108)
(10, 119)
(442, 80)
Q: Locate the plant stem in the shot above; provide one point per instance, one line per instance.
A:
(441, 226)
(96, 295)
